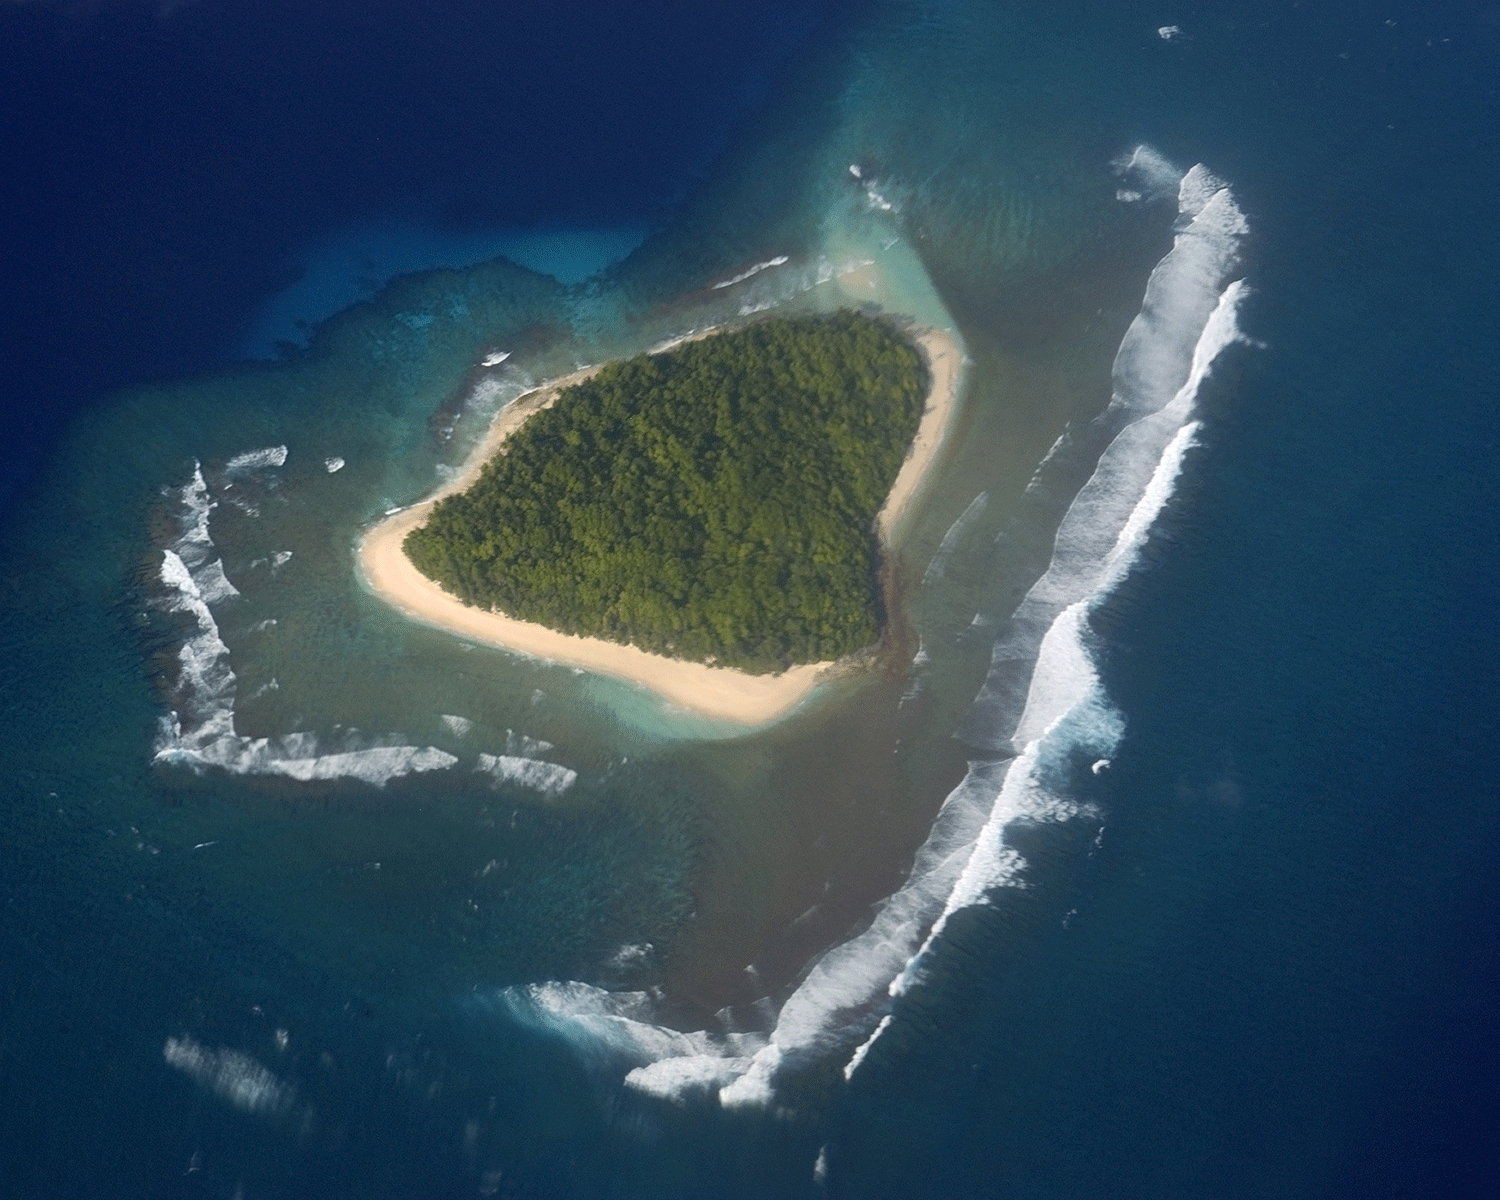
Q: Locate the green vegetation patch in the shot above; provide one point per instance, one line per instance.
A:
(713, 502)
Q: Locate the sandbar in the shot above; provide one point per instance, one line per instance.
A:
(716, 692)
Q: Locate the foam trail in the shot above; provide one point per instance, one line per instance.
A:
(1080, 720)
(551, 779)
(231, 1076)
(212, 584)
(769, 291)
(1068, 714)
(256, 460)
(493, 392)
(779, 260)
(608, 1029)
(199, 732)
(1147, 174)
(522, 744)
(858, 1057)
(195, 545)
(1042, 713)
(939, 564)
(1187, 318)
(845, 989)
(376, 765)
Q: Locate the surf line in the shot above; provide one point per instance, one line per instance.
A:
(1188, 317)
(198, 733)
(779, 261)
(1042, 701)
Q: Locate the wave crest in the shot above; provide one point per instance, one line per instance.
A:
(1042, 712)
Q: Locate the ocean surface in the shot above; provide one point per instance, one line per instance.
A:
(1153, 853)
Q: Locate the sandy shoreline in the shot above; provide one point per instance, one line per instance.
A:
(716, 692)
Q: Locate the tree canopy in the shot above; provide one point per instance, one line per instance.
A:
(714, 502)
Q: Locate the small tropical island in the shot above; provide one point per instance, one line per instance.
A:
(714, 503)
(707, 520)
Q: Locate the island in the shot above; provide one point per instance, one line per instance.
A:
(707, 521)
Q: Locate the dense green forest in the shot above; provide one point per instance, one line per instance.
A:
(715, 502)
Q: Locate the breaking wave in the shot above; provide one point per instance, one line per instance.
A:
(231, 1076)
(1041, 715)
(255, 460)
(778, 261)
(550, 779)
(198, 731)
(457, 726)
(614, 1030)
(1043, 700)
(938, 567)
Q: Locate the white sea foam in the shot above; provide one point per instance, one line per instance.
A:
(271, 685)
(199, 732)
(1067, 714)
(231, 1076)
(520, 743)
(551, 779)
(877, 200)
(779, 260)
(183, 592)
(458, 726)
(1148, 172)
(256, 460)
(769, 291)
(679, 1077)
(1035, 789)
(631, 955)
(213, 585)
(845, 990)
(491, 393)
(1187, 318)
(210, 741)
(858, 1056)
(377, 765)
(1042, 711)
(611, 1030)
(333, 463)
(194, 545)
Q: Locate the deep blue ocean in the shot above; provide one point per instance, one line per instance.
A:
(1154, 852)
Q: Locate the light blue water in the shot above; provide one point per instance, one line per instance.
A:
(352, 265)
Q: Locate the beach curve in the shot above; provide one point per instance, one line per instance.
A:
(720, 693)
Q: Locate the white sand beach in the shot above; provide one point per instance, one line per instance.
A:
(716, 692)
